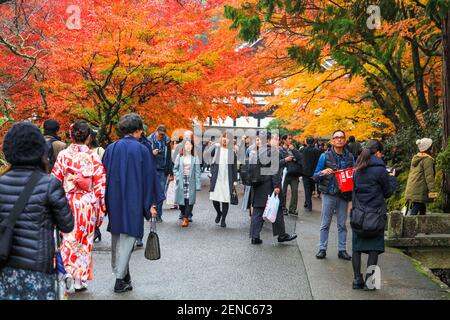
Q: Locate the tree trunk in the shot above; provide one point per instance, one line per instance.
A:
(446, 100)
(388, 110)
(418, 77)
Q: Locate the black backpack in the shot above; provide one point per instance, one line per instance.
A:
(50, 154)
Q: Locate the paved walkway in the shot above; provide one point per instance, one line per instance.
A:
(331, 278)
(205, 261)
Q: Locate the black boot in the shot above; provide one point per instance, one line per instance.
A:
(219, 215)
(97, 235)
(358, 282)
(122, 286)
(222, 223)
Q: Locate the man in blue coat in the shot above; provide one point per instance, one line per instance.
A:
(132, 193)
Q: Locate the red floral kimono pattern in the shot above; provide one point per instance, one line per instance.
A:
(87, 205)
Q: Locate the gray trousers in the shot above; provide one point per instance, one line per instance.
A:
(278, 227)
(121, 249)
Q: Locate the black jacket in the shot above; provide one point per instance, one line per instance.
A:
(33, 240)
(373, 184)
(260, 193)
(310, 157)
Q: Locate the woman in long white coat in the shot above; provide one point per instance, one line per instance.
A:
(223, 176)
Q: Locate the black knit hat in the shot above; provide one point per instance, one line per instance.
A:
(24, 144)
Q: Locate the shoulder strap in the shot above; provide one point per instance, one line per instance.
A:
(23, 198)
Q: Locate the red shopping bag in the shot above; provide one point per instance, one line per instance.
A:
(344, 179)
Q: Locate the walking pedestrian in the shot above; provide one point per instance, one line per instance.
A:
(132, 194)
(333, 200)
(83, 177)
(310, 158)
(162, 154)
(53, 141)
(29, 273)
(97, 149)
(371, 185)
(420, 187)
(223, 176)
(260, 193)
(187, 175)
(145, 142)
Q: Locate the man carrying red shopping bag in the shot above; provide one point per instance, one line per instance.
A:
(335, 165)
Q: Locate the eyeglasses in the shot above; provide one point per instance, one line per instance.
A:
(339, 137)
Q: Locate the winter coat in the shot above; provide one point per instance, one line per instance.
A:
(33, 241)
(132, 186)
(194, 180)
(355, 148)
(163, 160)
(373, 184)
(420, 186)
(370, 187)
(260, 193)
(310, 158)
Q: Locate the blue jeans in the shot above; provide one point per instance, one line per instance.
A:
(162, 180)
(331, 204)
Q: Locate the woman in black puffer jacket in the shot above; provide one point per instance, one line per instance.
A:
(29, 273)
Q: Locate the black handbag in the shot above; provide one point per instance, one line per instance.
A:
(234, 200)
(7, 225)
(367, 222)
(152, 248)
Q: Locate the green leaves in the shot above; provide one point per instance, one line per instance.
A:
(250, 26)
(441, 6)
(310, 58)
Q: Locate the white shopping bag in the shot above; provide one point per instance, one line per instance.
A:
(271, 210)
(170, 196)
(246, 198)
(284, 176)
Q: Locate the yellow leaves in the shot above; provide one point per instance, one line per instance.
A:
(319, 103)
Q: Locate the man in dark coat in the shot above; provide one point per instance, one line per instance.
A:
(310, 158)
(132, 193)
(354, 147)
(161, 153)
(260, 193)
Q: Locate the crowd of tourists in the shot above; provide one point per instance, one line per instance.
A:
(72, 187)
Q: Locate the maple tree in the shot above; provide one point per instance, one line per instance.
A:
(316, 108)
(396, 64)
(170, 61)
(389, 59)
